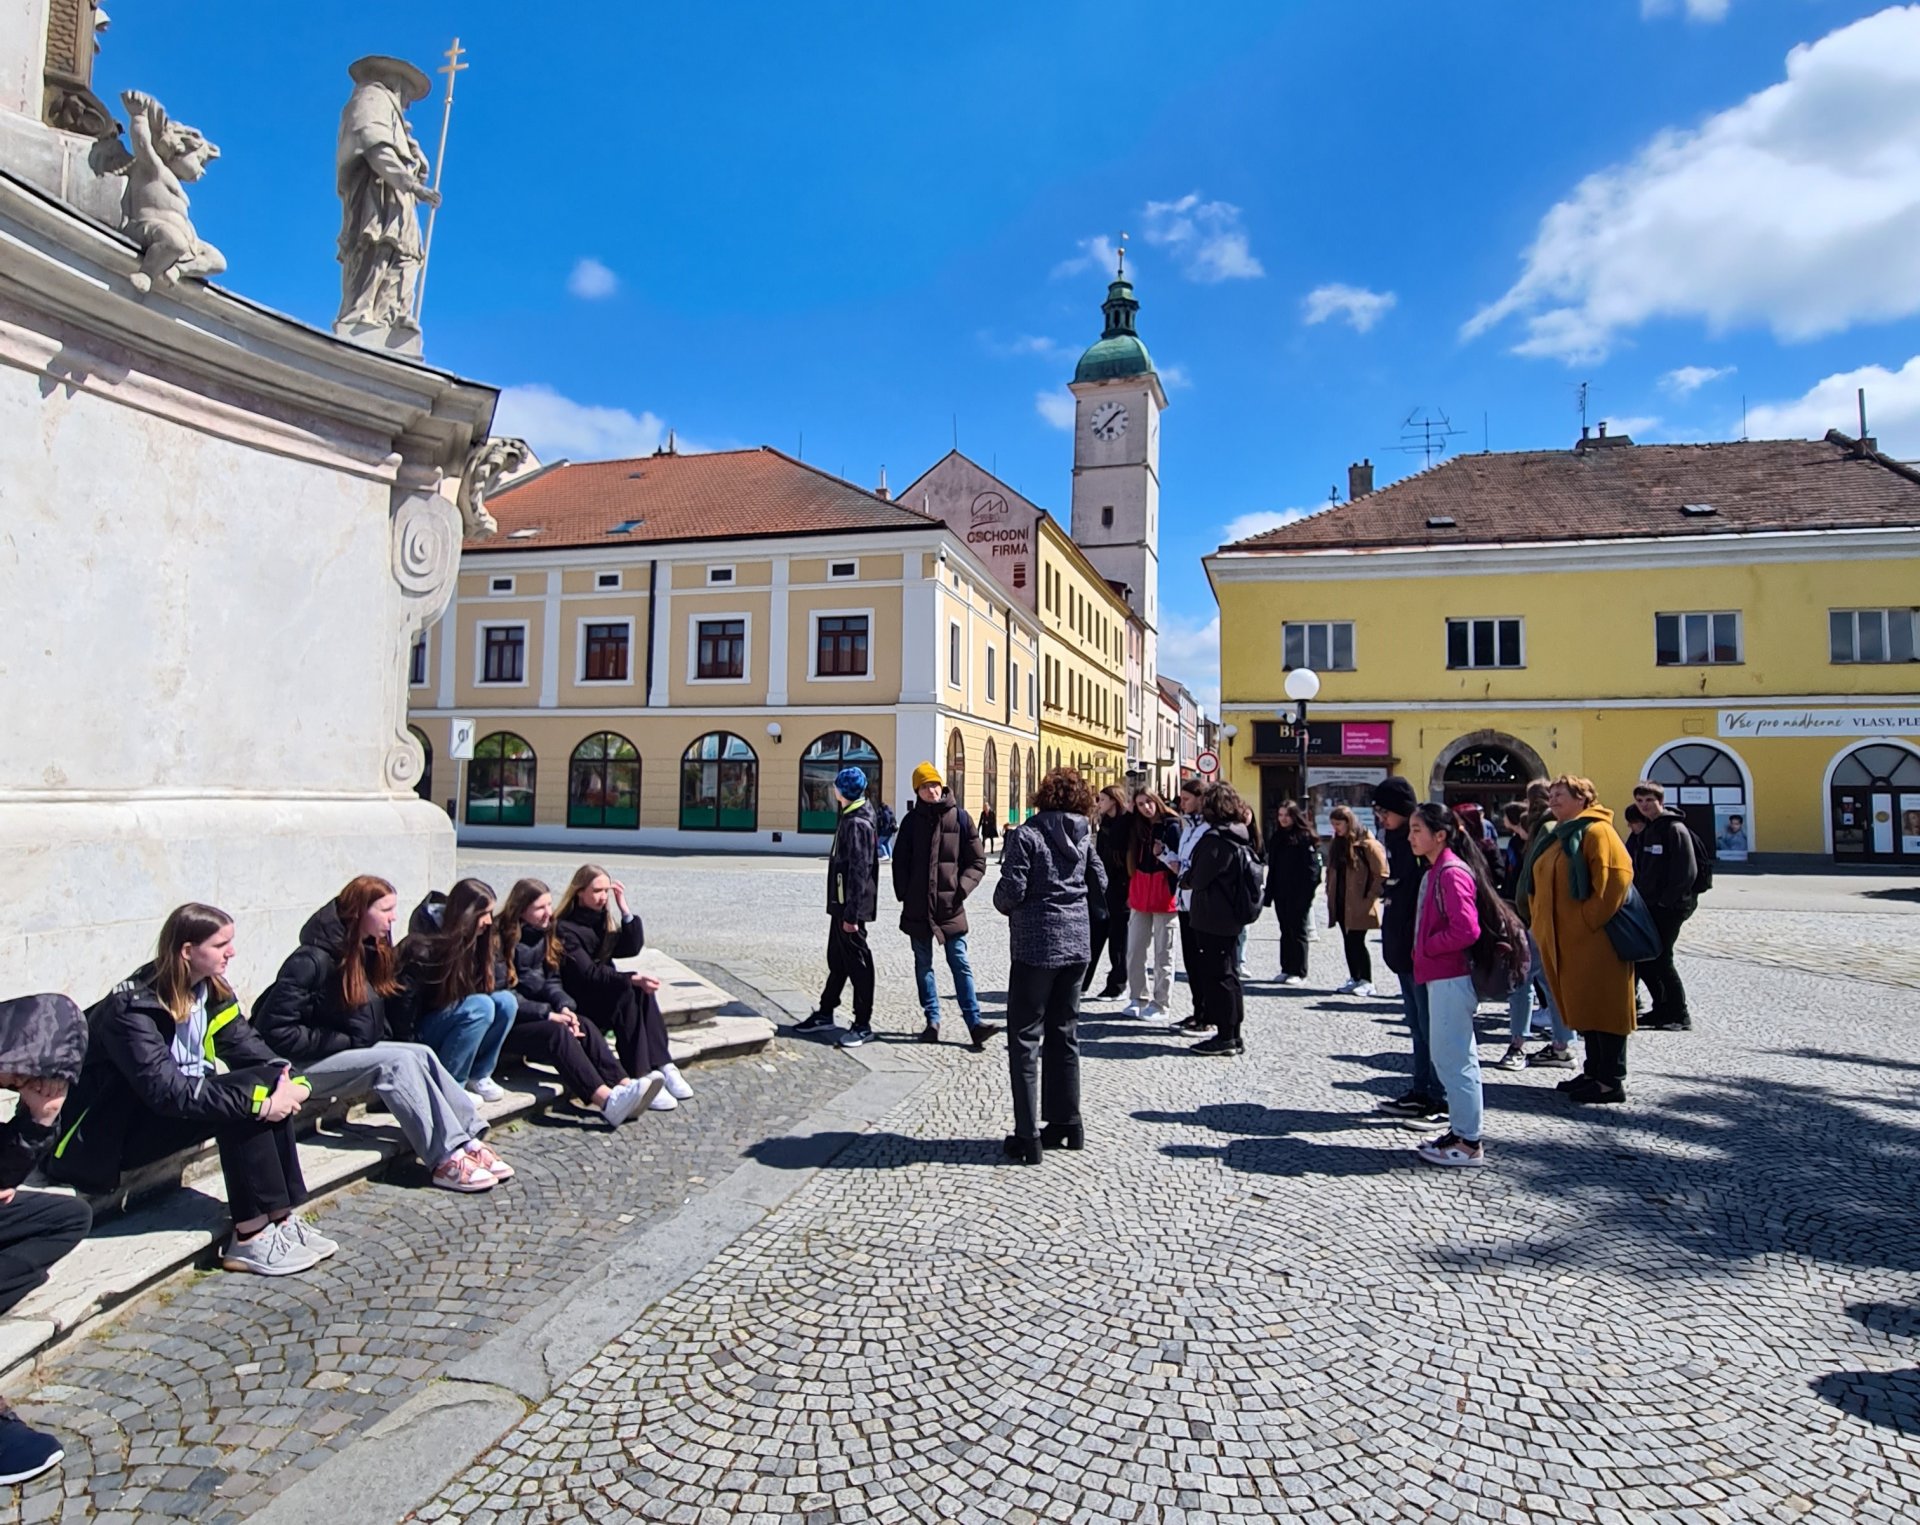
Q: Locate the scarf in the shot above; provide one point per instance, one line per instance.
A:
(1571, 835)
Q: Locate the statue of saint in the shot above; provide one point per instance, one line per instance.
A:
(381, 175)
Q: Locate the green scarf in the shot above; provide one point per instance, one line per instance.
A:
(1571, 835)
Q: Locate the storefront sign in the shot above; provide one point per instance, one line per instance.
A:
(1783, 722)
(1367, 738)
(1320, 778)
(1325, 738)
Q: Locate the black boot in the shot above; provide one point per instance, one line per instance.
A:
(1063, 1136)
(1021, 1151)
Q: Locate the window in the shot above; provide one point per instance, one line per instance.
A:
(1033, 695)
(840, 646)
(820, 762)
(1484, 643)
(603, 782)
(424, 788)
(990, 782)
(1696, 640)
(953, 655)
(1013, 784)
(720, 649)
(993, 677)
(1869, 635)
(719, 785)
(500, 781)
(1323, 645)
(719, 576)
(604, 651)
(1106, 518)
(417, 661)
(503, 653)
(842, 571)
(1013, 685)
(957, 768)
(606, 579)
(499, 584)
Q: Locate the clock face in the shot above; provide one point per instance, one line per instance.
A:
(1109, 421)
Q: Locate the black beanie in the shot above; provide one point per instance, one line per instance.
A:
(1396, 794)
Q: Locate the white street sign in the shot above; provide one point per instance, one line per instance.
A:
(1208, 763)
(460, 746)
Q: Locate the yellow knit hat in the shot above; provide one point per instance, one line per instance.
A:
(926, 774)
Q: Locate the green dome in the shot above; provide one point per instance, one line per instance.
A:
(1112, 359)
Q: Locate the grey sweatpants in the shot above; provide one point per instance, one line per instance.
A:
(430, 1106)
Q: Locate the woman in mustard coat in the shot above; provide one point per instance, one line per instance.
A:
(1575, 877)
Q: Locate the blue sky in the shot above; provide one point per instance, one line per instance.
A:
(868, 226)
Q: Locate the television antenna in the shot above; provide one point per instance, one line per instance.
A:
(1580, 401)
(1425, 433)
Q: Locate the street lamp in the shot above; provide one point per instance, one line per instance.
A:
(1302, 684)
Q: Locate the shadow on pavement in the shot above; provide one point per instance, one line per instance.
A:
(1266, 1140)
(841, 1150)
(1890, 1399)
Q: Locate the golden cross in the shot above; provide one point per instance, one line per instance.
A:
(453, 65)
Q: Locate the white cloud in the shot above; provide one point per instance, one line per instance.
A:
(592, 280)
(558, 426)
(1798, 209)
(1893, 409)
(1354, 304)
(1633, 425)
(1056, 407)
(1175, 378)
(1259, 522)
(1096, 253)
(1697, 10)
(1688, 379)
(1190, 652)
(1022, 346)
(1204, 236)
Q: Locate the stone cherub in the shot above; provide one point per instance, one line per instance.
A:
(487, 463)
(381, 175)
(167, 156)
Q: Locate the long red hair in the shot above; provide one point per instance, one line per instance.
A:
(368, 967)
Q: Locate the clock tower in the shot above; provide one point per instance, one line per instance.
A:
(1116, 458)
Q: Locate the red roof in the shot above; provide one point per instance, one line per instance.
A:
(1616, 490)
(724, 495)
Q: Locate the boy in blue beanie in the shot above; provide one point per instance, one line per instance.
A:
(853, 900)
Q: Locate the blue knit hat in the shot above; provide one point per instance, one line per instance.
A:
(851, 783)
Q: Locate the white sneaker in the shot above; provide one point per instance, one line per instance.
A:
(659, 1098)
(1243, 973)
(624, 1102)
(1133, 1009)
(1294, 979)
(1363, 988)
(308, 1237)
(487, 1088)
(677, 1086)
(1348, 988)
(271, 1252)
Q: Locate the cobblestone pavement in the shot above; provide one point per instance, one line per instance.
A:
(1246, 1299)
(205, 1401)
(1883, 947)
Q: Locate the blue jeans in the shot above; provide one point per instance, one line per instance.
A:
(467, 1037)
(1451, 1005)
(1520, 1005)
(1413, 998)
(962, 971)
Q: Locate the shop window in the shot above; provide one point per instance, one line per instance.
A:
(990, 781)
(1323, 645)
(719, 785)
(603, 782)
(1697, 640)
(1484, 643)
(957, 767)
(1874, 797)
(1705, 784)
(1014, 798)
(1871, 635)
(500, 781)
(820, 762)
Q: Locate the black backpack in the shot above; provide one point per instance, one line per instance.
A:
(1242, 886)
(1703, 859)
(1498, 960)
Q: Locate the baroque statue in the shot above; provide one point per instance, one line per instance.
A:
(381, 175)
(167, 156)
(487, 463)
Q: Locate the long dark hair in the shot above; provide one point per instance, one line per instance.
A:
(1299, 834)
(508, 922)
(1142, 832)
(1443, 823)
(373, 971)
(457, 961)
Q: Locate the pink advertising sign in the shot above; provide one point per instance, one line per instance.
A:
(1367, 738)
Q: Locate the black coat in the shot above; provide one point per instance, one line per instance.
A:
(1401, 904)
(1110, 840)
(853, 866)
(301, 1015)
(587, 954)
(1665, 863)
(1294, 870)
(539, 989)
(1217, 857)
(937, 863)
(130, 1069)
(42, 1037)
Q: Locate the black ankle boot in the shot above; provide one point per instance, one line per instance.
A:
(1063, 1136)
(1022, 1151)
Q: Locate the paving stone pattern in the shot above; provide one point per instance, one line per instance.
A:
(1247, 1300)
(205, 1402)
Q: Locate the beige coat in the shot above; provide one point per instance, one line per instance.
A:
(1359, 889)
(1592, 989)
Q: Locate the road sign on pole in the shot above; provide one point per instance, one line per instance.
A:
(460, 739)
(1208, 763)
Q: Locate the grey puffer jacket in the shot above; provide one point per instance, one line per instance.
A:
(1047, 870)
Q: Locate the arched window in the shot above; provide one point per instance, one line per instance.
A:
(1705, 783)
(500, 781)
(818, 765)
(719, 785)
(1014, 800)
(1874, 797)
(1033, 783)
(603, 782)
(990, 781)
(423, 788)
(957, 767)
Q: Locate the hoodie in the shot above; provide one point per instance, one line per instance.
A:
(1048, 871)
(42, 1037)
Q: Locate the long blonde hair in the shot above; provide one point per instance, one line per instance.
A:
(186, 925)
(583, 876)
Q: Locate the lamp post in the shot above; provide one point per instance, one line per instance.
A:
(1227, 733)
(1302, 684)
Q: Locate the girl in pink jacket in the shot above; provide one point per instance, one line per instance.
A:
(1446, 925)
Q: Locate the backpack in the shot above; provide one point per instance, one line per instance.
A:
(1498, 960)
(1242, 886)
(1703, 856)
(887, 823)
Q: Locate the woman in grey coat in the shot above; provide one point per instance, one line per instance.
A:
(1050, 876)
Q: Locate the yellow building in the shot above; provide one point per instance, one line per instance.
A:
(1736, 621)
(687, 648)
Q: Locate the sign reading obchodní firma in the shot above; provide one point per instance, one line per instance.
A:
(1784, 722)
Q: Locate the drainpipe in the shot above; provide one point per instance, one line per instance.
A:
(653, 596)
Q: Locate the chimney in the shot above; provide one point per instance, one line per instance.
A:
(883, 491)
(1603, 429)
(1360, 479)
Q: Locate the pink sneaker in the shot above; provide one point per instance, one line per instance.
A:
(488, 1161)
(462, 1172)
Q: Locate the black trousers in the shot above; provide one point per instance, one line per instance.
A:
(849, 962)
(585, 1063)
(1043, 1045)
(1359, 961)
(1294, 940)
(1660, 977)
(259, 1160)
(638, 1030)
(1606, 1056)
(1115, 942)
(1216, 968)
(1190, 961)
(36, 1229)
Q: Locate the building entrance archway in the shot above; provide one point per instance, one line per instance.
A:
(1486, 768)
(1873, 803)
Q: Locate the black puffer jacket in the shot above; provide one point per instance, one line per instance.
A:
(1224, 853)
(1405, 870)
(1665, 863)
(130, 1069)
(1110, 840)
(539, 989)
(1294, 870)
(301, 1015)
(587, 954)
(937, 862)
(43, 1037)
